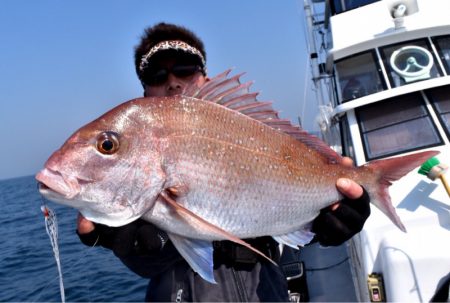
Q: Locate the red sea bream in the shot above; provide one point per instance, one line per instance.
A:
(210, 164)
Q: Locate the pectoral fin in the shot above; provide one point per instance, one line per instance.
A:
(205, 225)
(295, 239)
(198, 253)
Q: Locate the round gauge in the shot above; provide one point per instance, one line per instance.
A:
(412, 63)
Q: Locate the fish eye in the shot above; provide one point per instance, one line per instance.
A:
(108, 143)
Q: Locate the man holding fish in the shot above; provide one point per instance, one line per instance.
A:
(168, 60)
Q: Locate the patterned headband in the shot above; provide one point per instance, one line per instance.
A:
(170, 44)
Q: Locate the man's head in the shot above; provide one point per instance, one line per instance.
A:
(168, 58)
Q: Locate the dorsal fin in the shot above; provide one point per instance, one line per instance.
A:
(194, 91)
(231, 93)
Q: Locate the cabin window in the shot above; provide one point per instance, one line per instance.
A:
(340, 6)
(358, 76)
(410, 62)
(395, 126)
(440, 99)
(347, 143)
(443, 47)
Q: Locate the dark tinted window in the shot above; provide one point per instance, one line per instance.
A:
(359, 76)
(443, 47)
(339, 6)
(440, 99)
(396, 125)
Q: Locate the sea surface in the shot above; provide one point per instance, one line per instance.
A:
(28, 270)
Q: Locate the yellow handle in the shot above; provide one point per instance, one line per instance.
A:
(444, 181)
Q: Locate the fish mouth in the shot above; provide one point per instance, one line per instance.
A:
(53, 183)
(65, 190)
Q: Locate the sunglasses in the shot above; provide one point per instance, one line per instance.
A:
(160, 76)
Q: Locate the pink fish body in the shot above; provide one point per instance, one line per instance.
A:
(214, 164)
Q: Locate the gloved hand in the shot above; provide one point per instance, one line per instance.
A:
(338, 223)
(136, 238)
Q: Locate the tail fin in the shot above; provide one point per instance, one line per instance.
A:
(391, 170)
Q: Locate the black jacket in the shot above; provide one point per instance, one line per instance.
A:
(241, 276)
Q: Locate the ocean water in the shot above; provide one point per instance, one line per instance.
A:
(28, 270)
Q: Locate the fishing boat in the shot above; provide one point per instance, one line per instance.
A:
(381, 72)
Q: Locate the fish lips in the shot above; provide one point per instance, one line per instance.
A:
(55, 185)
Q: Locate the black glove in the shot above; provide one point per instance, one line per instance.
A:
(333, 228)
(136, 238)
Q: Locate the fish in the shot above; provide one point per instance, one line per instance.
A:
(213, 163)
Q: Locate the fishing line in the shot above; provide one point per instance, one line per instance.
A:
(51, 227)
(66, 270)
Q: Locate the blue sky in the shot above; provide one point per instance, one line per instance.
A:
(63, 63)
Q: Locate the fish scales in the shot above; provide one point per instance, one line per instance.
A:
(242, 175)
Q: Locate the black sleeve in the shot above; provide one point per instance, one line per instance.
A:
(153, 264)
(140, 245)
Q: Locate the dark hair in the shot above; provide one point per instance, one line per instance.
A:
(164, 32)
